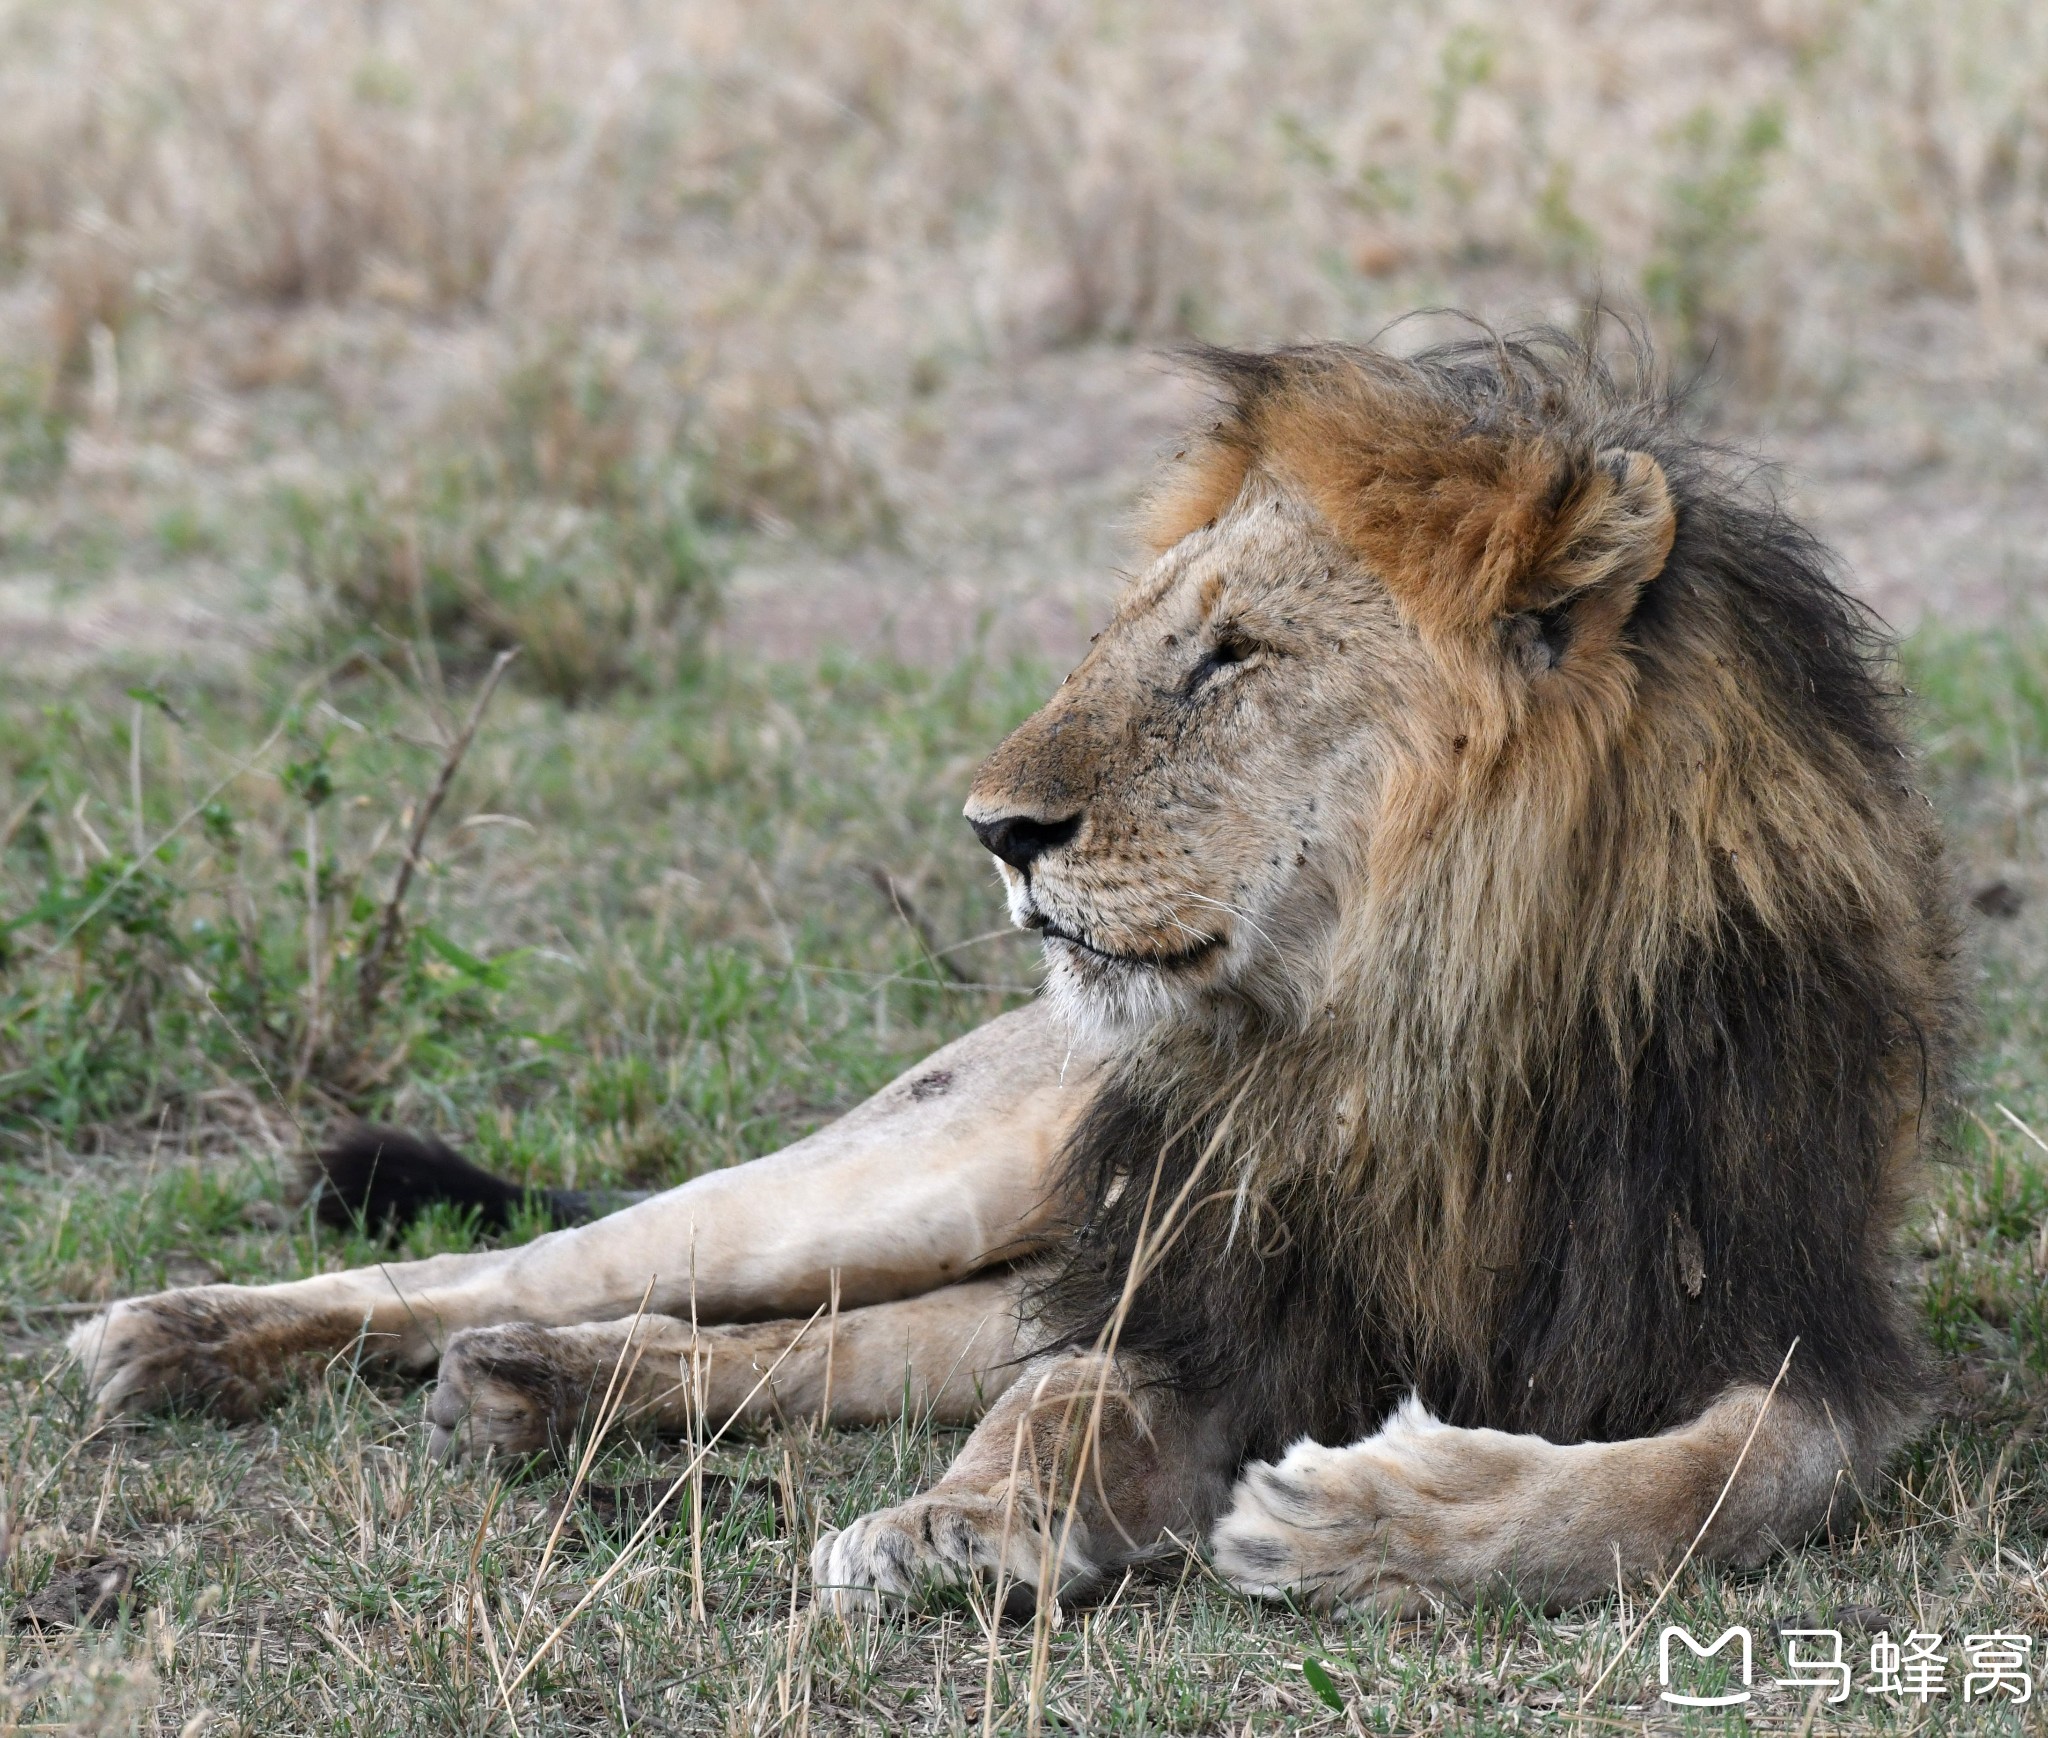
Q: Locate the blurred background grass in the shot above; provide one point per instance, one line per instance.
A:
(488, 315)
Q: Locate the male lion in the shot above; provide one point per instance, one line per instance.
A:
(1500, 984)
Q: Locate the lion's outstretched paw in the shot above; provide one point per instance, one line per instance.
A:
(220, 1346)
(934, 1543)
(1344, 1527)
(503, 1390)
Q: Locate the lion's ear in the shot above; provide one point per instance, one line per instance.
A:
(1613, 528)
(1610, 537)
(1472, 534)
(1613, 531)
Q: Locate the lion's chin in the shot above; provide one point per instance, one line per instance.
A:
(1113, 1000)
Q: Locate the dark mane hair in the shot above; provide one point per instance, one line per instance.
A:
(1603, 1112)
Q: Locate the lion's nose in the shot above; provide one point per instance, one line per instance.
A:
(1021, 839)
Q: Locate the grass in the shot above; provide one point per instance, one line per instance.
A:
(777, 246)
(646, 941)
(393, 338)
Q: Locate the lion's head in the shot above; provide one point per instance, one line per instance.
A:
(1440, 628)
(1487, 819)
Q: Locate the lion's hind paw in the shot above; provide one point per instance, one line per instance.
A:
(504, 1390)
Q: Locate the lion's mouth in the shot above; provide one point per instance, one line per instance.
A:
(1158, 962)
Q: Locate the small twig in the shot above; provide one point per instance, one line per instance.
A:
(913, 920)
(607, 1415)
(2006, 1112)
(483, 1612)
(1151, 1245)
(831, 1344)
(310, 1048)
(12, 825)
(135, 779)
(249, 1050)
(476, 1609)
(696, 1403)
(371, 979)
(876, 980)
(1009, 932)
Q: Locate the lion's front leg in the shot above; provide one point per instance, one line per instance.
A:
(1422, 1511)
(1077, 1470)
(521, 1388)
(941, 1172)
(230, 1347)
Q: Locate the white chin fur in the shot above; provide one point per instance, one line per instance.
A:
(1098, 1000)
(1016, 895)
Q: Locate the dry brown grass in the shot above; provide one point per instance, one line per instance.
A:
(1011, 174)
(797, 218)
(863, 283)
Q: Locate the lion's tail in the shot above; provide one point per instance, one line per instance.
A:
(381, 1179)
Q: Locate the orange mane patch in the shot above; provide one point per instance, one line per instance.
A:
(1465, 517)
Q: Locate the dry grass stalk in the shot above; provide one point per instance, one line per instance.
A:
(370, 976)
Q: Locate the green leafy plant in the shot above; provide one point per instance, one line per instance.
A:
(1319, 1680)
(594, 596)
(559, 527)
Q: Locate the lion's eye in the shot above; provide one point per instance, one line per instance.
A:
(1230, 649)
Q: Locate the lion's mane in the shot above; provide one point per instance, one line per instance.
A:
(1644, 1008)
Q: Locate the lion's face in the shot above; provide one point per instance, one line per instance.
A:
(1171, 821)
(1382, 601)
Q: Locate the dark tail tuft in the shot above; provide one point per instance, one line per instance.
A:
(384, 1178)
